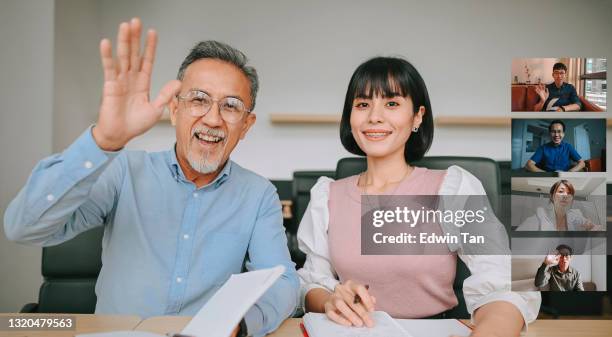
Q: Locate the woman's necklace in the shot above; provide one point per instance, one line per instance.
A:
(364, 180)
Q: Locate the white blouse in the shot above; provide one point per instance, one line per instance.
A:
(545, 220)
(490, 274)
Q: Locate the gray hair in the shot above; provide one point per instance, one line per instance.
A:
(224, 52)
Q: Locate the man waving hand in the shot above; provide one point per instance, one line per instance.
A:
(176, 223)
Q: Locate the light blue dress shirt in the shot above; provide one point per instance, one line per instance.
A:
(168, 246)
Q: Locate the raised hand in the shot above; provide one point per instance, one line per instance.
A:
(542, 91)
(126, 110)
(552, 259)
(588, 225)
(342, 308)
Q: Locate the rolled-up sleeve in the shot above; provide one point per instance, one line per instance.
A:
(317, 271)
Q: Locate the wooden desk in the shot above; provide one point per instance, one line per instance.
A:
(290, 328)
(164, 324)
(84, 324)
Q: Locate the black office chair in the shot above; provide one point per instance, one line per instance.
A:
(302, 182)
(70, 271)
(486, 170)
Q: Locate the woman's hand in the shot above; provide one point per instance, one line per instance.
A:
(341, 307)
(588, 225)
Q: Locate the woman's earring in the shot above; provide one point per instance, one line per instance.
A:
(415, 129)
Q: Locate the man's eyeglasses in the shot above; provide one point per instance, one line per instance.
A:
(558, 72)
(198, 103)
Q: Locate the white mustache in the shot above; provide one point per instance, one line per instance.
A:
(208, 131)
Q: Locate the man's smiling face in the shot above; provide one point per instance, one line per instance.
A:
(204, 143)
(556, 133)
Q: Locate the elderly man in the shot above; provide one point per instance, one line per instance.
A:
(556, 272)
(558, 95)
(555, 155)
(177, 223)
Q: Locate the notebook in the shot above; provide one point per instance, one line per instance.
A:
(318, 325)
(224, 310)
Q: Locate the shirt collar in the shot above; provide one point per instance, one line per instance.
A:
(570, 270)
(563, 85)
(560, 144)
(177, 171)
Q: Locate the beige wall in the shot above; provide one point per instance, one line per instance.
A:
(538, 68)
(305, 53)
(77, 80)
(26, 93)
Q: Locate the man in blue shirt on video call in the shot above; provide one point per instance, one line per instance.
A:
(558, 95)
(556, 155)
(177, 223)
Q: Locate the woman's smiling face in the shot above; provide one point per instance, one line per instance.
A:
(382, 125)
(385, 101)
(562, 196)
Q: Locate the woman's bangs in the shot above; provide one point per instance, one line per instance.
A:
(378, 82)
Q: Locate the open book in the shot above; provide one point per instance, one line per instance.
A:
(224, 310)
(318, 325)
(550, 106)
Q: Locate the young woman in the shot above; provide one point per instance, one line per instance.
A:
(559, 216)
(387, 117)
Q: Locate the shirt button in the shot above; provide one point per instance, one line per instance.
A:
(195, 194)
(179, 280)
(186, 236)
(88, 164)
(50, 197)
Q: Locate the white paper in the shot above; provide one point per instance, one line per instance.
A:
(318, 325)
(434, 327)
(222, 313)
(550, 106)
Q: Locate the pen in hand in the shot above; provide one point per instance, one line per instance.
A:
(357, 299)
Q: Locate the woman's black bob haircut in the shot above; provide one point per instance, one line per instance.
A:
(389, 77)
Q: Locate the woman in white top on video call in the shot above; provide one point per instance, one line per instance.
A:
(387, 118)
(559, 214)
